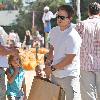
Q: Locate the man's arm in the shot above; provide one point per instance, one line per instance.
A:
(79, 27)
(5, 51)
(50, 55)
(2, 50)
(66, 61)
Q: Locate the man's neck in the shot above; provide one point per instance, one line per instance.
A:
(65, 27)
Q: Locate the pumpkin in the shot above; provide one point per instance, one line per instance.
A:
(40, 50)
(32, 50)
(29, 65)
(43, 50)
(26, 66)
(28, 58)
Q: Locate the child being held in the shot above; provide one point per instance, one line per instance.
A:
(16, 87)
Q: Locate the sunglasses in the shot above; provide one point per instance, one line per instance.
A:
(61, 17)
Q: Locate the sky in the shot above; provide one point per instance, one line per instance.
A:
(67, 1)
(25, 4)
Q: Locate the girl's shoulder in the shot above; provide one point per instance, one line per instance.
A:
(21, 69)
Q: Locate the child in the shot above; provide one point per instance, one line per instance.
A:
(4, 51)
(16, 88)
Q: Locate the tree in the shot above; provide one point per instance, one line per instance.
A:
(78, 9)
(24, 20)
(37, 7)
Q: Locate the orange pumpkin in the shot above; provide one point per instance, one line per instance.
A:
(33, 64)
(25, 65)
(43, 50)
(28, 58)
(29, 65)
(33, 50)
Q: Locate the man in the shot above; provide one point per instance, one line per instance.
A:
(65, 50)
(12, 36)
(89, 30)
(46, 18)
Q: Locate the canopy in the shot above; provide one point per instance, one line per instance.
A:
(4, 35)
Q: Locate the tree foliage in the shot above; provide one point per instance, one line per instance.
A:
(24, 20)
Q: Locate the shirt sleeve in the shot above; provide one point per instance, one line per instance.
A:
(51, 37)
(43, 20)
(79, 27)
(73, 45)
(97, 32)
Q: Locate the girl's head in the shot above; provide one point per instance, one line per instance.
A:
(12, 43)
(28, 32)
(14, 61)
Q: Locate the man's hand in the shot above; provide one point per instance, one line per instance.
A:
(47, 71)
(25, 97)
(38, 71)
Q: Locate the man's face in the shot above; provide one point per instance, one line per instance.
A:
(62, 18)
(46, 10)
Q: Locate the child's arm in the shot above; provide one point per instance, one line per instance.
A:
(10, 77)
(24, 89)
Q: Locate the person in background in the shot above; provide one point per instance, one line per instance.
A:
(89, 30)
(16, 87)
(4, 51)
(38, 36)
(12, 35)
(17, 40)
(46, 19)
(27, 39)
(36, 43)
(65, 52)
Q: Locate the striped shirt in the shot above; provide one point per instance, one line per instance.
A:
(89, 31)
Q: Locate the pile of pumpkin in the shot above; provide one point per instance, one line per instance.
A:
(30, 58)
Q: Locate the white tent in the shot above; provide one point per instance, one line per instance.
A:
(8, 17)
(4, 35)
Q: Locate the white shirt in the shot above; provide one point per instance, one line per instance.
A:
(3, 59)
(89, 30)
(12, 36)
(66, 42)
(48, 16)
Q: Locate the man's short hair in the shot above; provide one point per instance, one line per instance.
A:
(94, 8)
(69, 9)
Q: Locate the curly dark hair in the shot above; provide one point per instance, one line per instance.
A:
(94, 8)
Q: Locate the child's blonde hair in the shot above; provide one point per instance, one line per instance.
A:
(11, 57)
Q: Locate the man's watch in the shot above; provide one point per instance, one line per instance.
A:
(53, 68)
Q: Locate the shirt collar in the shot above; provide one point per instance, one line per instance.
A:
(67, 29)
(94, 16)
